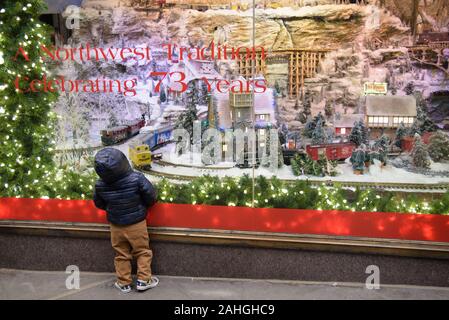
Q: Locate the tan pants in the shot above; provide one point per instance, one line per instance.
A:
(128, 242)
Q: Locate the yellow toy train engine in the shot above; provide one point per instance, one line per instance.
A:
(140, 156)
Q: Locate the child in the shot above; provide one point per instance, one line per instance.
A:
(126, 196)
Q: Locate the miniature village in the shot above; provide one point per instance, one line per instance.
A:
(357, 90)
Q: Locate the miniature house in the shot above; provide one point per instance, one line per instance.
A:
(240, 105)
(384, 114)
(233, 111)
(194, 71)
(344, 123)
(198, 70)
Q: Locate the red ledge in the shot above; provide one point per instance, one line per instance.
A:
(337, 223)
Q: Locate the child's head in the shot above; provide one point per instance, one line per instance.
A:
(111, 164)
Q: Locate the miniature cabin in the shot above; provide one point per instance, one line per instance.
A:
(384, 114)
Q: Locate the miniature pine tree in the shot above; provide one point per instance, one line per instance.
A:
(204, 96)
(296, 107)
(311, 124)
(423, 123)
(364, 131)
(277, 87)
(295, 164)
(328, 168)
(358, 159)
(420, 155)
(113, 121)
(190, 115)
(163, 95)
(382, 143)
(359, 134)
(439, 146)
(409, 88)
(307, 105)
(319, 134)
(328, 109)
(426, 124)
(308, 129)
(401, 133)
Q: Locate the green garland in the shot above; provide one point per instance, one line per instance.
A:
(269, 193)
(275, 193)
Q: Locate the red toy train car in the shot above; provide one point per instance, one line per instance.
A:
(333, 151)
(116, 134)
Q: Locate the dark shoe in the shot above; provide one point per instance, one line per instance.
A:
(123, 288)
(144, 285)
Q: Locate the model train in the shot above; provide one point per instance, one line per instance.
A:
(332, 151)
(118, 134)
(140, 153)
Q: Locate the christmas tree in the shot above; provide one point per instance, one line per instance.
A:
(307, 166)
(113, 121)
(358, 158)
(420, 155)
(328, 109)
(204, 94)
(163, 95)
(309, 128)
(303, 117)
(409, 88)
(319, 134)
(439, 146)
(382, 143)
(401, 133)
(190, 115)
(296, 107)
(359, 134)
(27, 123)
(381, 149)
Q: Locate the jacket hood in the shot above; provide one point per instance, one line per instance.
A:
(111, 165)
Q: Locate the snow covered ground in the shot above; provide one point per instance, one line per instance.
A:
(387, 174)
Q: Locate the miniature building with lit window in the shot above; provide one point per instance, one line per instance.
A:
(240, 105)
(343, 124)
(384, 114)
(229, 111)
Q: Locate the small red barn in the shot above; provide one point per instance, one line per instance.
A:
(344, 123)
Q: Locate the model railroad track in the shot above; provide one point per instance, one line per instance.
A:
(81, 150)
(94, 148)
(382, 186)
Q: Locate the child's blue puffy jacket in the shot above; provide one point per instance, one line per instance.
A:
(125, 194)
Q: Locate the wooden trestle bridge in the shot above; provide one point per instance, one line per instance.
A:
(431, 54)
(302, 64)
